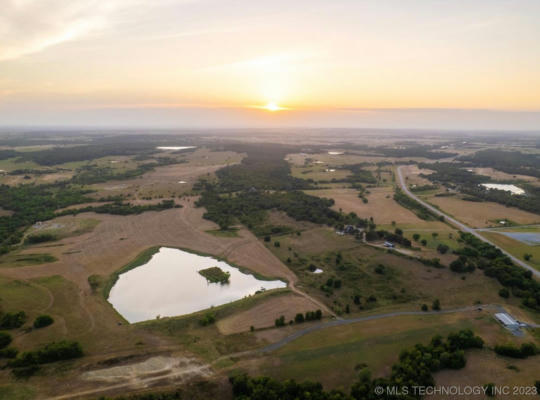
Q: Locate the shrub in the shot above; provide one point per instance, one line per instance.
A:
(208, 319)
(12, 320)
(442, 248)
(55, 351)
(42, 321)
(424, 307)
(5, 339)
(436, 306)
(504, 292)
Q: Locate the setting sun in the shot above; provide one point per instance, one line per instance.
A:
(272, 107)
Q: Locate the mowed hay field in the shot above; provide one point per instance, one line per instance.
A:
(263, 315)
(381, 205)
(330, 355)
(482, 214)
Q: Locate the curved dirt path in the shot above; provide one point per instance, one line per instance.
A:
(460, 225)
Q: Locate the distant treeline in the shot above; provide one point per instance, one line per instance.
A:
(511, 162)
(119, 208)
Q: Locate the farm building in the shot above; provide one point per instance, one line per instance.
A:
(506, 320)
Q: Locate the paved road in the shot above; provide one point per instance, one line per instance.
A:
(330, 324)
(460, 225)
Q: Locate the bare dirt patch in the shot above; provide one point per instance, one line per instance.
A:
(263, 315)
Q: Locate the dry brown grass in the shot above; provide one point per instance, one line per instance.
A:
(263, 315)
(500, 176)
(381, 205)
(484, 214)
(119, 239)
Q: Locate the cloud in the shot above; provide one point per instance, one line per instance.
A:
(30, 26)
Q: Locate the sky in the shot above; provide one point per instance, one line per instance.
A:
(448, 64)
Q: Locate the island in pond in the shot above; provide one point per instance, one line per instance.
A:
(215, 275)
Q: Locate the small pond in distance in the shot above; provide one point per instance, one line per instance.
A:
(170, 285)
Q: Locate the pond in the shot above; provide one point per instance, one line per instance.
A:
(174, 147)
(529, 238)
(169, 284)
(507, 188)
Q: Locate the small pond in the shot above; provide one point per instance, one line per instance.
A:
(169, 284)
(174, 147)
(507, 188)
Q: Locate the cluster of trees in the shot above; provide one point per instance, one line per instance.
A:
(414, 151)
(511, 162)
(60, 155)
(119, 208)
(90, 174)
(308, 316)
(396, 237)
(414, 368)
(12, 320)
(523, 351)
(299, 318)
(359, 174)
(43, 321)
(451, 174)
(417, 208)
(32, 203)
(462, 264)
(497, 265)
(250, 208)
(423, 188)
(529, 202)
(40, 238)
(28, 363)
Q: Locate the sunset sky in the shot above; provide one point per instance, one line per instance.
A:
(197, 63)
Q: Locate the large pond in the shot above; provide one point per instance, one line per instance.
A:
(170, 285)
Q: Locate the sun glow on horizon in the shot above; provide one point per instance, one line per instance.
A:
(272, 106)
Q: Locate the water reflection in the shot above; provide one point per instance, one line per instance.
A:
(169, 285)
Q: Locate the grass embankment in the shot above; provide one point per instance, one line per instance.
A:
(215, 275)
(141, 259)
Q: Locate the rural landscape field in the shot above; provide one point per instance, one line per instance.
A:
(269, 200)
(314, 262)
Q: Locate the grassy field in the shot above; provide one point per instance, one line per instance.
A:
(319, 172)
(482, 214)
(330, 355)
(402, 284)
(381, 205)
